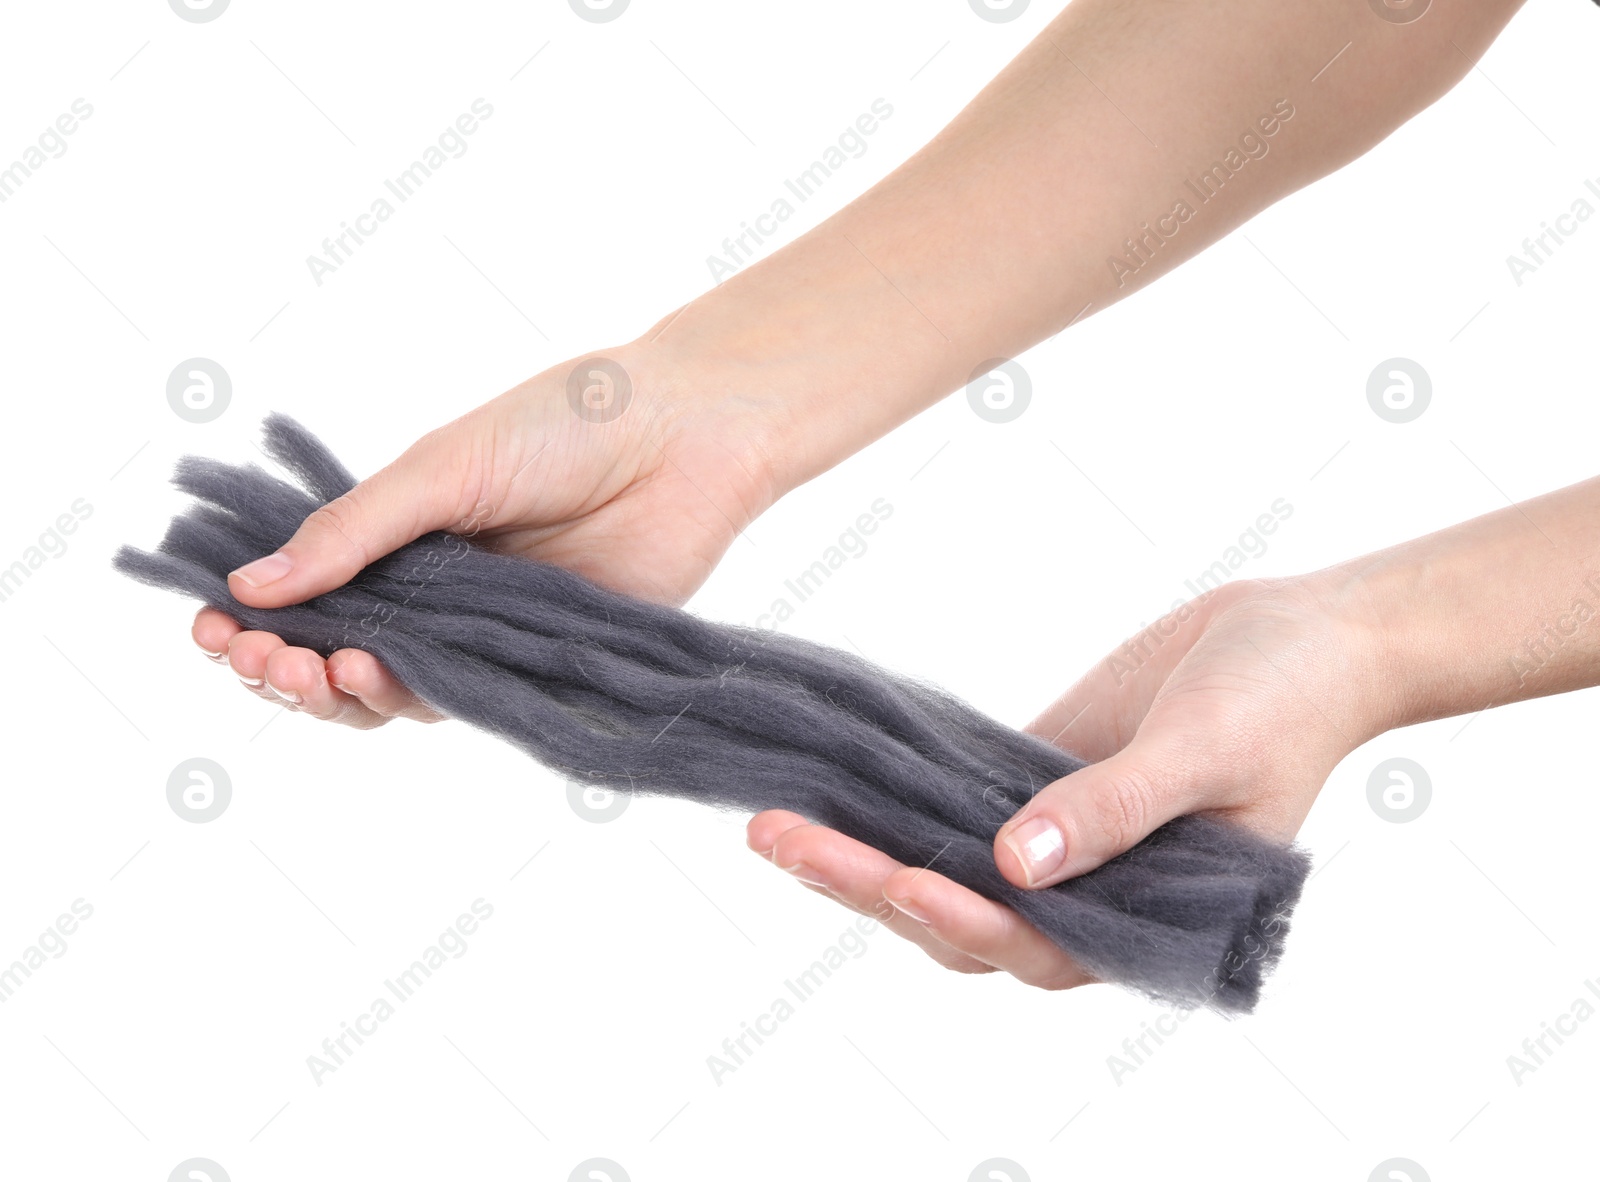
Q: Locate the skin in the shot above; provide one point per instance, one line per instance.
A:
(646, 504)
(1248, 706)
(998, 234)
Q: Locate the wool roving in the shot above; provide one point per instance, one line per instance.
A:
(617, 692)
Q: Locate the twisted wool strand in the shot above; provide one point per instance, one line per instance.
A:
(619, 693)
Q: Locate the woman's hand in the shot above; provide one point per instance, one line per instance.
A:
(643, 497)
(1239, 703)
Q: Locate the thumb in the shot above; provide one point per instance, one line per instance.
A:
(1094, 814)
(418, 492)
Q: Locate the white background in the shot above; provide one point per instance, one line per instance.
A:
(578, 1024)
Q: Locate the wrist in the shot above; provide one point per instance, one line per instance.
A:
(1368, 609)
(811, 351)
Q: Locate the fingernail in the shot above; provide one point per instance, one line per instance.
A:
(218, 657)
(252, 682)
(286, 695)
(265, 570)
(1039, 847)
(805, 874)
(909, 908)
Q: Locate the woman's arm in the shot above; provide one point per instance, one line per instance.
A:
(1242, 703)
(1500, 609)
(1124, 139)
(1063, 186)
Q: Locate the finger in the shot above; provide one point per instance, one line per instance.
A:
(421, 491)
(247, 657)
(212, 631)
(362, 676)
(982, 928)
(764, 829)
(298, 676)
(763, 832)
(1083, 820)
(854, 874)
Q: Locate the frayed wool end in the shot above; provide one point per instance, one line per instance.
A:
(616, 692)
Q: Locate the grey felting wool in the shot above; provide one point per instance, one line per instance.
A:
(617, 692)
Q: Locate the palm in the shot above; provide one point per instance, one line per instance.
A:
(659, 538)
(635, 504)
(1225, 709)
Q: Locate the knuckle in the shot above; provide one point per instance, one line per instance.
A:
(339, 518)
(786, 851)
(799, 844)
(1119, 811)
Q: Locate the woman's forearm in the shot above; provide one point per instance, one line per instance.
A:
(1499, 609)
(1127, 137)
